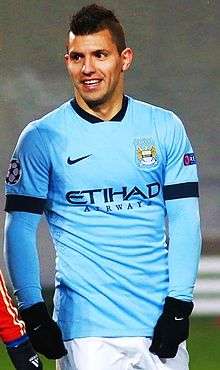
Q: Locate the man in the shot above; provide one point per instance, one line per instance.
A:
(106, 170)
(13, 334)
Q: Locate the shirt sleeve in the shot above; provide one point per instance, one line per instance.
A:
(21, 256)
(28, 174)
(26, 197)
(181, 180)
(181, 200)
(184, 246)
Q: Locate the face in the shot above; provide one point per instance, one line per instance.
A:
(96, 68)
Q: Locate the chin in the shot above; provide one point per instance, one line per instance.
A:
(95, 102)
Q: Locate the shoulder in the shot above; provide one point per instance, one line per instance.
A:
(53, 118)
(163, 118)
(47, 124)
(161, 113)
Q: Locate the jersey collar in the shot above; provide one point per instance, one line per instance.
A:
(93, 119)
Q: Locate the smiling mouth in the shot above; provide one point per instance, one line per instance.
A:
(91, 83)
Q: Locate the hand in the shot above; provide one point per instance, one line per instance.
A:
(172, 328)
(24, 357)
(44, 333)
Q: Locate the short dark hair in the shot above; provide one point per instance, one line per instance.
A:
(94, 18)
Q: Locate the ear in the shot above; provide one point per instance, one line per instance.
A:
(127, 57)
(66, 58)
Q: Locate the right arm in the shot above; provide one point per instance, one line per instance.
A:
(26, 197)
(21, 256)
(26, 191)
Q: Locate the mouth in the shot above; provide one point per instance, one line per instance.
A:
(91, 84)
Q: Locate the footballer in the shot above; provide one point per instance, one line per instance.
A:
(108, 171)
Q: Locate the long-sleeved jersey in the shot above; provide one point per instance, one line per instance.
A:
(106, 188)
(11, 327)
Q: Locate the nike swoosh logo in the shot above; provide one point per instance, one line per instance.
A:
(73, 161)
(179, 318)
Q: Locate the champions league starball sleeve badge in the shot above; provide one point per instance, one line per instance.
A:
(14, 172)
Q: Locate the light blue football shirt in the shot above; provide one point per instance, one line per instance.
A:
(105, 186)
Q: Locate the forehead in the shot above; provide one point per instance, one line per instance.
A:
(94, 41)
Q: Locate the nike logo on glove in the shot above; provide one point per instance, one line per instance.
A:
(178, 318)
(73, 161)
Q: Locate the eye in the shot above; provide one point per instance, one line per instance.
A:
(75, 57)
(100, 54)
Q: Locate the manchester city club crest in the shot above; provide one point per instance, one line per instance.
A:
(145, 153)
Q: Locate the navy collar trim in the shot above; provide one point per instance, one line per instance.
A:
(93, 119)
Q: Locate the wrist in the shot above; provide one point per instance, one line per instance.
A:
(35, 315)
(177, 307)
(28, 296)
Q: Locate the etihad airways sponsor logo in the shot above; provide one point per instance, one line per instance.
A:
(110, 195)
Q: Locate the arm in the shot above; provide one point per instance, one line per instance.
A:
(172, 327)
(181, 202)
(26, 190)
(184, 246)
(22, 257)
(23, 264)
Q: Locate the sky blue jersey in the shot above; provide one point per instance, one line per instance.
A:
(106, 188)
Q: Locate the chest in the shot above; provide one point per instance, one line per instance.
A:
(104, 156)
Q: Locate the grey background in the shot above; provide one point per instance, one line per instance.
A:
(177, 60)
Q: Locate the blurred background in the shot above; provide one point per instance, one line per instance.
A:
(176, 66)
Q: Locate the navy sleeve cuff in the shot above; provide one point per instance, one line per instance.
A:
(178, 191)
(24, 203)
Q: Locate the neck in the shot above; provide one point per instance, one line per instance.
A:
(105, 111)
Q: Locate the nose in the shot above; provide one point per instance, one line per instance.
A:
(88, 66)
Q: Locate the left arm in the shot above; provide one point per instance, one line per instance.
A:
(172, 327)
(181, 203)
(181, 194)
(184, 246)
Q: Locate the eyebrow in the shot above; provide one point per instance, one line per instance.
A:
(75, 52)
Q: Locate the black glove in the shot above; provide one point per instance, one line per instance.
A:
(24, 357)
(44, 333)
(172, 328)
